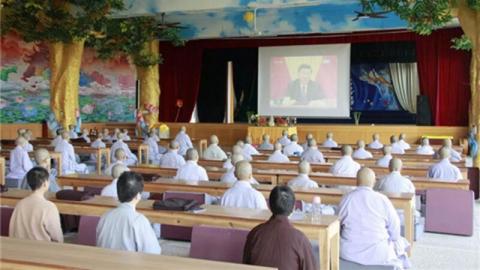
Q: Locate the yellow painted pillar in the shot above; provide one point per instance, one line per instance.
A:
(149, 88)
(65, 60)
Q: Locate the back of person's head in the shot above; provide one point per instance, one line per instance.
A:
(120, 136)
(214, 139)
(281, 200)
(192, 154)
(425, 142)
(444, 152)
(278, 146)
(366, 177)
(59, 131)
(21, 131)
(304, 167)
(85, 131)
(309, 136)
(183, 129)
(329, 135)
(395, 164)
(65, 135)
(240, 143)
(361, 144)
(248, 139)
(129, 185)
(236, 149)
(376, 136)
(106, 131)
(393, 139)
(243, 170)
(347, 150)
(312, 142)
(447, 143)
(294, 138)
(42, 157)
(402, 136)
(266, 137)
(71, 127)
(387, 150)
(125, 131)
(174, 145)
(116, 130)
(36, 177)
(100, 136)
(20, 141)
(151, 133)
(118, 169)
(120, 154)
(236, 158)
(284, 132)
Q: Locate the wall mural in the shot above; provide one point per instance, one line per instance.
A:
(107, 88)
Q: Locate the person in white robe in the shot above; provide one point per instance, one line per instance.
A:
(454, 155)
(58, 138)
(293, 149)
(345, 166)
(265, 145)
(360, 152)
(425, 148)
(402, 141)
(126, 137)
(277, 155)
(191, 171)
(85, 135)
(303, 180)
(172, 159)
(69, 162)
(120, 159)
(28, 137)
(20, 162)
(123, 228)
(284, 140)
(43, 159)
(394, 181)
(444, 169)
(98, 143)
(183, 140)
(155, 151)
(213, 151)
(229, 176)
(397, 148)
(242, 194)
(73, 134)
(110, 190)
(312, 154)
(155, 135)
(106, 135)
(370, 226)
(308, 137)
(131, 158)
(329, 142)
(375, 144)
(116, 132)
(238, 149)
(387, 156)
(248, 148)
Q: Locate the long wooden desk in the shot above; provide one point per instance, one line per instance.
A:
(2, 171)
(30, 254)
(57, 157)
(326, 230)
(403, 201)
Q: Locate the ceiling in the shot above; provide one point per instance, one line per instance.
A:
(244, 18)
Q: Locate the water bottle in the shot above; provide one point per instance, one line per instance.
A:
(316, 209)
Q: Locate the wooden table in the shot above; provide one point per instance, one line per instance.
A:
(274, 132)
(326, 230)
(403, 201)
(2, 171)
(31, 254)
(57, 157)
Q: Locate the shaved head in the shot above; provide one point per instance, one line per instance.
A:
(393, 139)
(236, 158)
(425, 141)
(21, 141)
(395, 164)
(183, 128)
(243, 170)
(309, 136)
(347, 150)
(402, 136)
(361, 144)
(329, 135)
(214, 139)
(444, 152)
(447, 143)
(240, 143)
(304, 167)
(387, 150)
(237, 150)
(278, 146)
(294, 138)
(192, 154)
(312, 143)
(120, 154)
(266, 137)
(65, 135)
(118, 169)
(285, 132)
(248, 139)
(376, 136)
(174, 145)
(366, 177)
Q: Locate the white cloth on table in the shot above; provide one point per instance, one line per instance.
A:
(404, 144)
(345, 166)
(302, 181)
(131, 158)
(397, 149)
(293, 149)
(370, 230)
(69, 162)
(184, 141)
(329, 143)
(278, 156)
(248, 149)
(123, 228)
(445, 170)
(313, 155)
(214, 152)
(191, 172)
(375, 144)
(284, 140)
(361, 153)
(425, 150)
(243, 195)
(20, 163)
(384, 161)
(172, 160)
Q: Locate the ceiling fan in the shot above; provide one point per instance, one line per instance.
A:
(372, 15)
(166, 25)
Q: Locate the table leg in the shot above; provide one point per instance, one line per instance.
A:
(335, 251)
(409, 224)
(324, 250)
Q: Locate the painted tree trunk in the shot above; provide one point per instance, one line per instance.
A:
(149, 88)
(65, 60)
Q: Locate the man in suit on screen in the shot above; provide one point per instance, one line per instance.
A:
(303, 89)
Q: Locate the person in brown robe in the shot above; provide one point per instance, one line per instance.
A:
(276, 243)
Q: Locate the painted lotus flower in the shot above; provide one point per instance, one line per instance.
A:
(88, 109)
(19, 99)
(3, 103)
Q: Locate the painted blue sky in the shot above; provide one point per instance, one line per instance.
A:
(225, 18)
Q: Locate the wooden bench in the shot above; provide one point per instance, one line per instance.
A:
(31, 254)
(326, 230)
(57, 157)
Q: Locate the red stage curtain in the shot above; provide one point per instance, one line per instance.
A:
(443, 72)
(179, 79)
